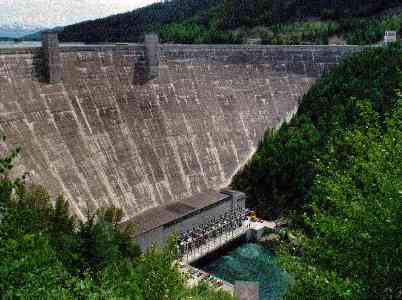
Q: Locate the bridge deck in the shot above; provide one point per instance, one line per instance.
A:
(218, 242)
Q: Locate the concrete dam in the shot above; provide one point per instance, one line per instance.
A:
(148, 127)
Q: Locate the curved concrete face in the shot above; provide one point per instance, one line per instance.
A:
(108, 134)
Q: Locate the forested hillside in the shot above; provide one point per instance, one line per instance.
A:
(249, 13)
(289, 22)
(336, 171)
(132, 25)
(233, 21)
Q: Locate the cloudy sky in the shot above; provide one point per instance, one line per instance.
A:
(49, 13)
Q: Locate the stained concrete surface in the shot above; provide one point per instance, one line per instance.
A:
(106, 135)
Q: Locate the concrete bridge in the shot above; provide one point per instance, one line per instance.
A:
(143, 126)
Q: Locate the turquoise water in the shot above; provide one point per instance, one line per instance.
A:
(251, 262)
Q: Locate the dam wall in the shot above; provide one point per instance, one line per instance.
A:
(108, 134)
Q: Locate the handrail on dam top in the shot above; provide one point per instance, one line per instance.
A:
(84, 46)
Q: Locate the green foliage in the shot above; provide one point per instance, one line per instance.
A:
(317, 283)
(192, 33)
(62, 232)
(97, 244)
(213, 21)
(160, 275)
(354, 243)
(29, 268)
(27, 212)
(151, 276)
(337, 169)
(279, 177)
(238, 13)
(365, 31)
(205, 292)
(276, 178)
(46, 254)
(356, 31)
(283, 24)
(181, 32)
(317, 32)
(7, 159)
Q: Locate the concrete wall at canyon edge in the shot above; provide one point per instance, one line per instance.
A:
(105, 135)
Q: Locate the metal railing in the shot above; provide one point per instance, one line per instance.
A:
(215, 231)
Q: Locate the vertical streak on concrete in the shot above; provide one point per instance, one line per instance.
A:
(110, 141)
(179, 163)
(84, 116)
(52, 59)
(86, 141)
(192, 139)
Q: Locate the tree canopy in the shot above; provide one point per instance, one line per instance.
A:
(232, 21)
(45, 253)
(336, 171)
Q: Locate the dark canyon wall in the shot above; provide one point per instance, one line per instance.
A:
(106, 135)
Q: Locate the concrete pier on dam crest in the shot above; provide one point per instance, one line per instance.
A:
(143, 126)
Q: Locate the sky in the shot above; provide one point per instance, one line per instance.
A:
(50, 13)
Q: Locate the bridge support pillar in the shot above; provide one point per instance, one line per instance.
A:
(52, 57)
(152, 55)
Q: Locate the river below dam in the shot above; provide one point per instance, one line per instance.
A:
(250, 262)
